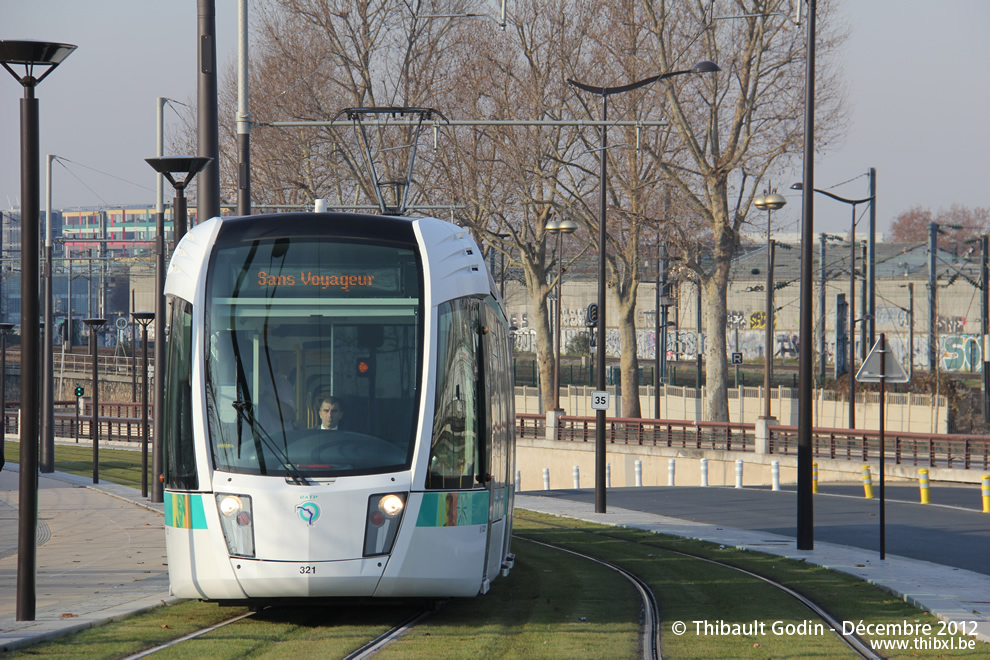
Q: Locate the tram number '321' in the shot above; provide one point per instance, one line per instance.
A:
(307, 570)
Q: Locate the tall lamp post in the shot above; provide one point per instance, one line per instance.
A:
(852, 295)
(558, 227)
(169, 167)
(805, 503)
(45, 55)
(769, 202)
(94, 326)
(4, 329)
(605, 92)
(144, 318)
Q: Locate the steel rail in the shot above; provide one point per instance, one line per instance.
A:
(389, 636)
(856, 643)
(651, 609)
(184, 638)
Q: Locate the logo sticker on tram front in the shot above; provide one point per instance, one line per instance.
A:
(308, 512)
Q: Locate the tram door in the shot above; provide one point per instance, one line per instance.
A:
(494, 361)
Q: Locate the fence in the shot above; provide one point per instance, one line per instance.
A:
(917, 413)
(118, 421)
(901, 448)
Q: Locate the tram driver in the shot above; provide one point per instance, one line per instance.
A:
(331, 411)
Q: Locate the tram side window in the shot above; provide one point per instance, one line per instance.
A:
(180, 455)
(454, 453)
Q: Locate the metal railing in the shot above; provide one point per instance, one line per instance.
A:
(970, 452)
(646, 432)
(902, 448)
(118, 421)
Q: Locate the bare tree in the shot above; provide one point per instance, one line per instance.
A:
(512, 181)
(728, 131)
(958, 224)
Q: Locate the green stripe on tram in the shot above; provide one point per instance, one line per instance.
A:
(185, 511)
(449, 509)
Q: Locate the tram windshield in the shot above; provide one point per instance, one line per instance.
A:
(299, 325)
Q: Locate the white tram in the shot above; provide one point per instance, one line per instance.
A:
(398, 320)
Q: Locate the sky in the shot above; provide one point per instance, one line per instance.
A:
(915, 69)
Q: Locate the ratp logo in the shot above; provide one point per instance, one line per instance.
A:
(308, 512)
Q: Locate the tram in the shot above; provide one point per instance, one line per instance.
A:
(392, 327)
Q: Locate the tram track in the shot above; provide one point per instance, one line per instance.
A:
(364, 652)
(389, 636)
(202, 631)
(854, 642)
(651, 609)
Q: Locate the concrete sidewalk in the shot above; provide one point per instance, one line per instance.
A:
(101, 556)
(952, 594)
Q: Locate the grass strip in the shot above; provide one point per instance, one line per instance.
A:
(119, 466)
(705, 592)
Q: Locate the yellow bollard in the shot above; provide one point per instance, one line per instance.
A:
(986, 493)
(814, 477)
(923, 485)
(867, 483)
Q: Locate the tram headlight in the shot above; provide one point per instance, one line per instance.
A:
(382, 524)
(237, 522)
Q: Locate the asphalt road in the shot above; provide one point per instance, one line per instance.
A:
(939, 533)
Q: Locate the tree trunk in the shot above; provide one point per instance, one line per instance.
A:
(628, 358)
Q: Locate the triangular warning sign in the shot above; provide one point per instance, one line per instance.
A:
(881, 364)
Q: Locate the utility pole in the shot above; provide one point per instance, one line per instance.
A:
(871, 260)
(932, 294)
(866, 343)
(984, 326)
(821, 305)
(910, 287)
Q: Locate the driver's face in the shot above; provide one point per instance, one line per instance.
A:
(330, 414)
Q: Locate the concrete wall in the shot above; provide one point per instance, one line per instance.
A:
(916, 413)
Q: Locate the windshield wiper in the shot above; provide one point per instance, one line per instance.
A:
(245, 411)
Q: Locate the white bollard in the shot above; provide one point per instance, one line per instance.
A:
(670, 472)
(577, 477)
(638, 465)
(546, 478)
(739, 472)
(608, 475)
(775, 474)
(704, 472)
(518, 479)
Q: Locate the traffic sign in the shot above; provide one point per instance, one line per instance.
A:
(737, 358)
(881, 365)
(121, 323)
(599, 400)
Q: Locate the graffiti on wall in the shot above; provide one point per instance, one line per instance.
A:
(962, 353)
(958, 351)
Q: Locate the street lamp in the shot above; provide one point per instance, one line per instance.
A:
(852, 295)
(170, 167)
(29, 54)
(805, 502)
(769, 202)
(166, 166)
(94, 326)
(605, 92)
(558, 227)
(144, 318)
(4, 329)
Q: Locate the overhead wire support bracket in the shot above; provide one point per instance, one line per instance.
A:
(413, 118)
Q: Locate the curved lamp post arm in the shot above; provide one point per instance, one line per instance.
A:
(800, 186)
(701, 67)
